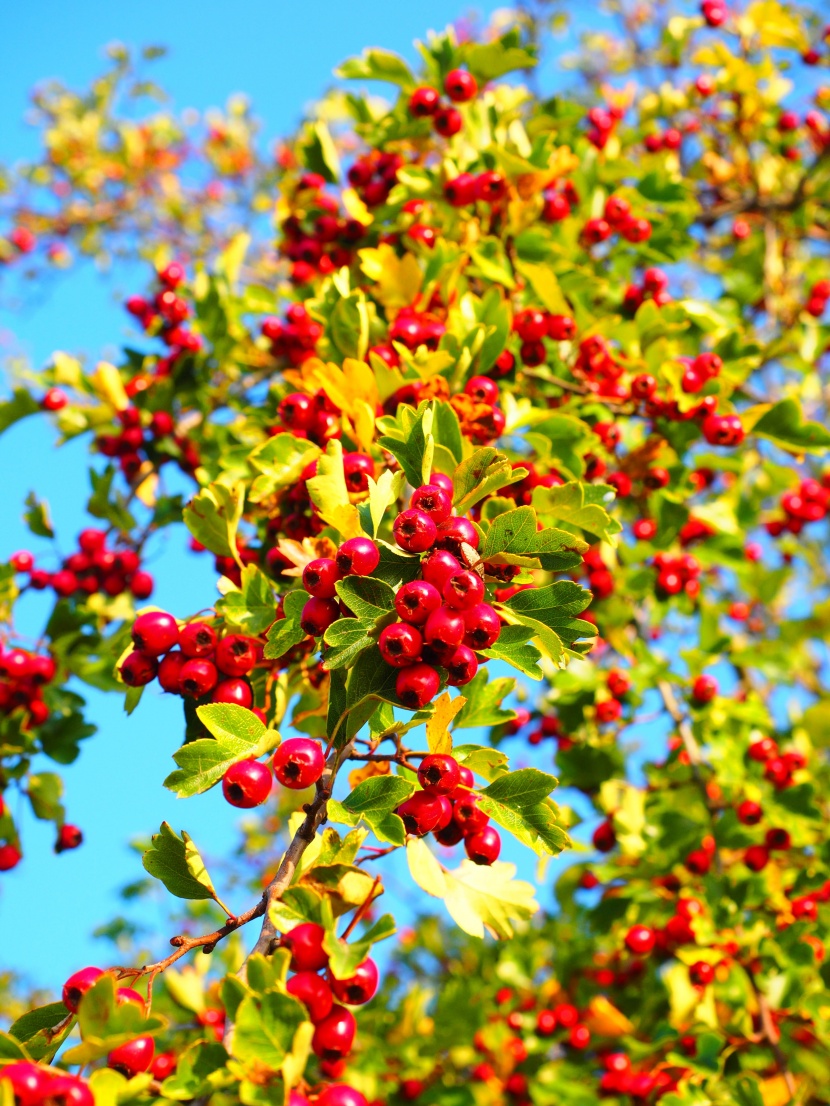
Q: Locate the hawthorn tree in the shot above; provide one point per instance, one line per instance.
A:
(511, 389)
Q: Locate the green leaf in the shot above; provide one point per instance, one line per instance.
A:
(264, 1029)
(484, 698)
(37, 517)
(200, 1070)
(347, 639)
(237, 735)
(515, 539)
(406, 438)
(38, 1030)
(519, 802)
(349, 326)
(395, 566)
(544, 283)
(251, 608)
(280, 462)
(488, 61)
(45, 790)
(482, 474)
(382, 493)
(370, 681)
(513, 645)
(104, 1024)
(287, 632)
(378, 65)
(213, 515)
(18, 407)
(345, 957)
(549, 613)
(784, 425)
(579, 505)
(102, 504)
(176, 862)
(378, 795)
(367, 597)
(320, 152)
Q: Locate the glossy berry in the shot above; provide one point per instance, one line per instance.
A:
(433, 501)
(417, 685)
(749, 813)
(137, 669)
(455, 532)
(197, 678)
(77, 986)
(424, 102)
(414, 531)
(438, 567)
(247, 784)
(468, 814)
(579, 1037)
(169, 671)
(416, 600)
(313, 992)
(155, 632)
(133, 1057)
(320, 577)
(422, 813)
(197, 639)
(400, 644)
(756, 858)
(439, 774)
(463, 590)
(460, 86)
(701, 974)
(234, 691)
(444, 632)
(317, 615)
(481, 626)
(704, 689)
(359, 988)
(69, 837)
(339, 1094)
(357, 557)
(604, 837)
(305, 943)
(298, 763)
(334, 1035)
(483, 846)
(30, 1083)
(236, 655)
(640, 940)
(461, 667)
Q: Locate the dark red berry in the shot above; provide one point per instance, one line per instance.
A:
(320, 577)
(414, 531)
(197, 677)
(400, 644)
(305, 943)
(439, 774)
(137, 669)
(317, 615)
(236, 655)
(358, 988)
(197, 639)
(416, 600)
(417, 685)
(357, 557)
(483, 846)
(463, 590)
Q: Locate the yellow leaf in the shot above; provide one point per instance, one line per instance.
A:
(546, 286)
(146, 490)
(106, 380)
(424, 868)
(775, 25)
(352, 388)
(398, 279)
(438, 733)
(775, 1092)
(300, 553)
(67, 369)
(367, 771)
(355, 207)
(603, 1018)
(330, 495)
(480, 898)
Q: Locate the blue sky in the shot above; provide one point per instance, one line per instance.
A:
(281, 55)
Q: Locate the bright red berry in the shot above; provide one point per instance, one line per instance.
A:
(247, 784)
(298, 763)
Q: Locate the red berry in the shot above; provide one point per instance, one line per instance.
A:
(579, 1037)
(305, 943)
(236, 655)
(358, 988)
(756, 858)
(339, 1094)
(169, 671)
(69, 837)
(468, 814)
(155, 632)
(481, 626)
(439, 774)
(298, 763)
(320, 577)
(69, 1090)
(247, 784)
(460, 86)
(334, 1035)
(422, 813)
(137, 669)
(444, 632)
(464, 590)
(417, 685)
(701, 973)
(317, 615)
(197, 639)
(416, 600)
(133, 1057)
(438, 567)
(400, 644)
(54, 399)
(640, 940)
(77, 985)
(461, 190)
(483, 846)
(604, 837)
(235, 691)
(357, 557)
(30, 1083)
(433, 501)
(424, 102)
(454, 533)
(704, 689)
(197, 678)
(164, 1065)
(313, 992)
(414, 531)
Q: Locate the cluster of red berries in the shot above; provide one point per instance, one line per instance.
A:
(168, 311)
(146, 436)
(33, 1084)
(191, 660)
(669, 139)
(317, 239)
(412, 328)
(817, 298)
(447, 808)
(779, 767)
(808, 503)
(425, 102)
(299, 518)
(131, 1058)
(617, 218)
(373, 177)
(92, 568)
(298, 763)
(558, 200)
(481, 420)
(654, 286)
(699, 371)
(296, 338)
(23, 677)
(602, 121)
(676, 574)
(610, 708)
(533, 326)
(326, 1000)
(619, 1078)
(600, 578)
(469, 188)
(313, 417)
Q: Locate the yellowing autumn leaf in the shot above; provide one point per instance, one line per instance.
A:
(300, 553)
(398, 279)
(352, 388)
(438, 733)
(367, 770)
(775, 25)
(106, 380)
(775, 1092)
(330, 495)
(488, 898)
(604, 1019)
